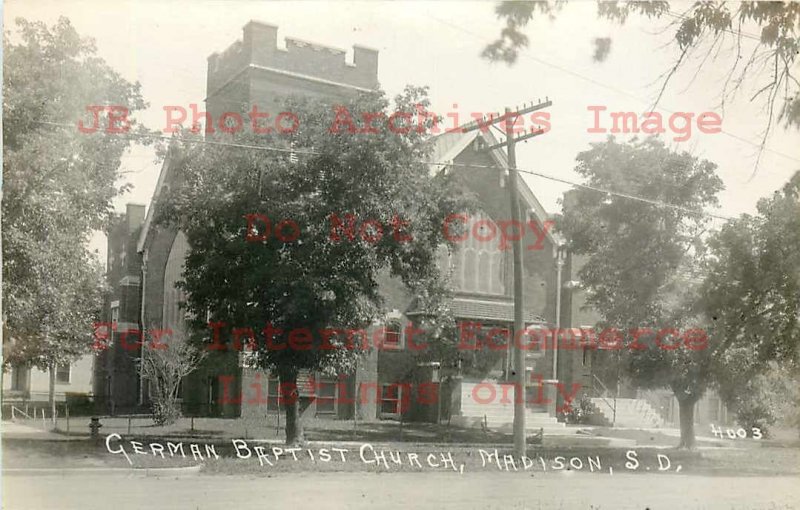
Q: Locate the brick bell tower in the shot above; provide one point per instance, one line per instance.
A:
(256, 71)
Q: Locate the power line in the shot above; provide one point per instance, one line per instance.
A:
(519, 363)
(296, 151)
(612, 88)
(594, 188)
(204, 142)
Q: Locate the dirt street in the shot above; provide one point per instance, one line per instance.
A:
(123, 490)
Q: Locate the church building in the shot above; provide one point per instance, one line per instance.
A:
(149, 260)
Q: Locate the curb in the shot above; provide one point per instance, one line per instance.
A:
(187, 470)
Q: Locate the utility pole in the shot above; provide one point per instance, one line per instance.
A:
(559, 268)
(520, 448)
(509, 118)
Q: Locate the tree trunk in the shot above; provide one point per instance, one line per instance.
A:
(686, 410)
(51, 396)
(290, 398)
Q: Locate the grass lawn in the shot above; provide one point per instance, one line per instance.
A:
(715, 457)
(747, 461)
(272, 428)
(766, 461)
(778, 437)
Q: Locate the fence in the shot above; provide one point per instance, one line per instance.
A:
(40, 416)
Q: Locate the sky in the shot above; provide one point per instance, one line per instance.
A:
(164, 46)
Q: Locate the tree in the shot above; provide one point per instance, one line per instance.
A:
(751, 296)
(165, 365)
(638, 254)
(350, 202)
(706, 26)
(759, 401)
(58, 187)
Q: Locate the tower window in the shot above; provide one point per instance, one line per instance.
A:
(393, 336)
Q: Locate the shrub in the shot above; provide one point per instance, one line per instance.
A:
(580, 411)
(164, 368)
(757, 405)
(80, 404)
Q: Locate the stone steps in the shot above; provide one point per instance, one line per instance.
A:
(630, 413)
(507, 425)
(531, 416)
(498, 414)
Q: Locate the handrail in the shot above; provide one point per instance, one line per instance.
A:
(597, 379)
(140, 416)
(15, 410)
(34, 419)
(655, 405)
(605, 400)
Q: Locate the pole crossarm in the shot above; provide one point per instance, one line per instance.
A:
(517, 139)
(518, 371)
(484, 123)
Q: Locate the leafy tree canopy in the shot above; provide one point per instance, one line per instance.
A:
(718, 29)
(751, 294)
(323, 278)
(348, 205)
(641, 255)
(58, 187)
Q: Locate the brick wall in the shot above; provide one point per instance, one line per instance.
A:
(539, 265)
(255, 70)
(259, 47)
(115, 381)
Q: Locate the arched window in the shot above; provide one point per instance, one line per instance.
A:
(458, 269)
(173, 315)
(477, 262)
(485, 272)
(470, 270)
(498, 284)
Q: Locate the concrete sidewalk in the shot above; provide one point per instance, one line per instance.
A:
(16, 430)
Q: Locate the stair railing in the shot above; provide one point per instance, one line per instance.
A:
(654, 407)
(611, 405)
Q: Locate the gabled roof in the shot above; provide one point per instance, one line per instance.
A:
(448, 146)
(148, 219)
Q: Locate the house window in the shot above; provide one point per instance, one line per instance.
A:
(273, 394)
(62, 373)
(326, 397)
(393, 336)
(19, 378)
(390, 399)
